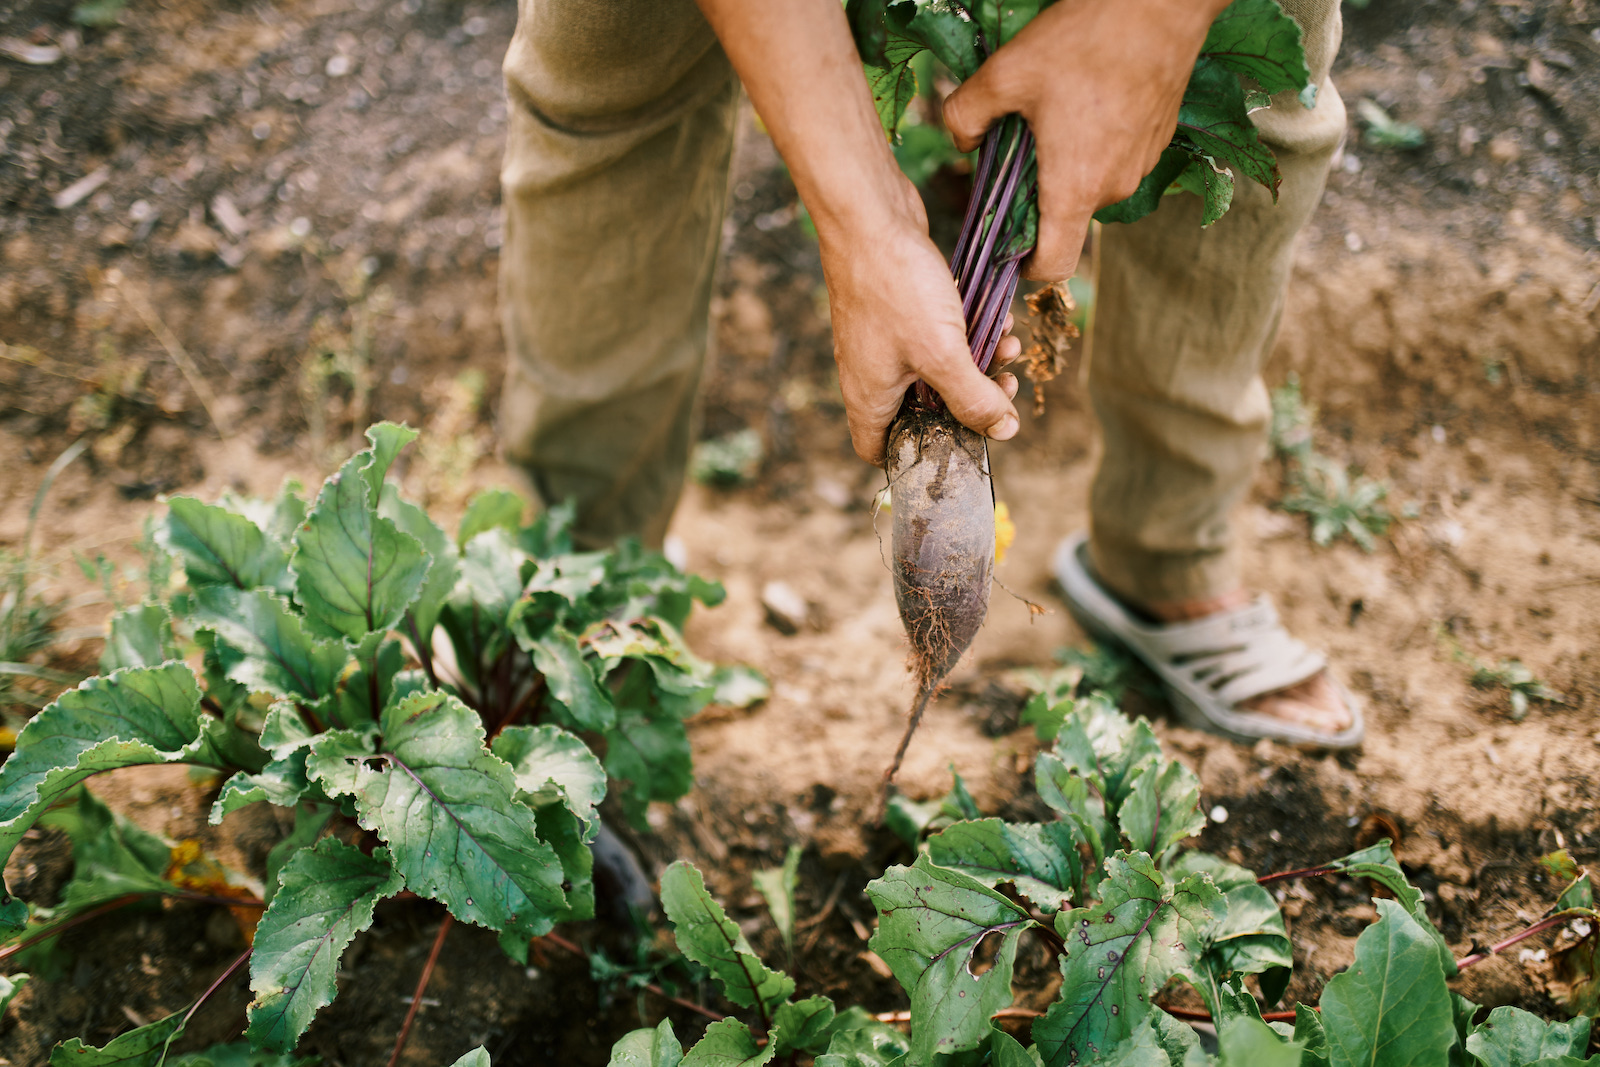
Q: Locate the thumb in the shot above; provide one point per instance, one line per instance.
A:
(976, 400)
(974, 106)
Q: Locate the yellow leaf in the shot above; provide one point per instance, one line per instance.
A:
(1005, 531)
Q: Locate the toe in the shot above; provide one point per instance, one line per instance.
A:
(1315, 703)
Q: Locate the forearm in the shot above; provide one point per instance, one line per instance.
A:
(799, 65)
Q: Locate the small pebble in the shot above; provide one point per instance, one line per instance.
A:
(786, 609)
(1219, 814)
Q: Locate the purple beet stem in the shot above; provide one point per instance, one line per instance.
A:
(985, 265)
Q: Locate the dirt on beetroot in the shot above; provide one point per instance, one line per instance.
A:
(296, 235)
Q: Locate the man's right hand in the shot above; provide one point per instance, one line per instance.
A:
(897, 318)
(896, 314)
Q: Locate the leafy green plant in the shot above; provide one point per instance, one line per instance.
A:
(1110, 891)
(787, 1027)
(419, 701)
(1338, 504)
(1521, 685)
(1383, 131)
(731, 460)
(1518, 681)
(777, 887)
(26, 620)
(1319, 488)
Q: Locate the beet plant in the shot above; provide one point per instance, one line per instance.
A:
(1125, 909)
(943, 500)
(1128, 912)
(429, 707)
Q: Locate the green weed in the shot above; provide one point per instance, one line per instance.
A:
(1521, 684)
(26, 620)
(1383, 131)
(731, 460)
(1337, 503)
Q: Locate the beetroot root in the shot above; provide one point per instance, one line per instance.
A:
(943, 544)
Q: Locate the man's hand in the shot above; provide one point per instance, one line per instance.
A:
(897, 318)
(1100, 82)
(896, 314)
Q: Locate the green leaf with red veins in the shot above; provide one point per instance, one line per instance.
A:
(931, 924)
(1100, 743)
(1255, 38)
(354, 570)
(447, 809)
(218, 546)
(135, 716)
(143, 1047)
(951, 38)
(656, 1047)
(554, 766)
(1252, 1043)
(1162, 808)
(729, 1043)
(1214, 188)
(444, 565)
(1040, 860)
(1511, 1037)
(893, 83)
(265, 645)
(328, 894)
(1001, 19)
(1378, 864)
(1120, 952)
(706, 935)
(1152, 188)
(140, 636)
(1214, 119)
(1392, 1006)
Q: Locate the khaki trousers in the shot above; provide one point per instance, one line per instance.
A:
(615, 183)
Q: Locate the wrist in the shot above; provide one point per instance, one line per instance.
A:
(875, 208)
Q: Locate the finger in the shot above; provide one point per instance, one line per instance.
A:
(1008, 351)
(1011, 320)
(973, 398)
(1055, 257)
(975, 105)
(1007, 382)
(868, 435)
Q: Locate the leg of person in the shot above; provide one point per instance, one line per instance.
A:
(1186, 318)
(615, 184)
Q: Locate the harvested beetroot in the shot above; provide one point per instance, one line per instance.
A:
(943, 498)
(942, 550)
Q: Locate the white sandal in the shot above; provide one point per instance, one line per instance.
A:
(1212, 665)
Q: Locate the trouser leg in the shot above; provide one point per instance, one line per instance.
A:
(615, 184)
(1185, 319)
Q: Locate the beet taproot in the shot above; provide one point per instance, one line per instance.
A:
(942, 549)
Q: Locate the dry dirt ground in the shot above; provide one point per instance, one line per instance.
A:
(296, 234)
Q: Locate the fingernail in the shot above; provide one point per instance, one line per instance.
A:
(1004, 430)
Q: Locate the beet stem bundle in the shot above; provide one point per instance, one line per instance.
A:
(943, 500)
(997, 234)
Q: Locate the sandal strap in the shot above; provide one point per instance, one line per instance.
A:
(1236, 655)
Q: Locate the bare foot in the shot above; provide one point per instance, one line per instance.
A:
(1314, 703)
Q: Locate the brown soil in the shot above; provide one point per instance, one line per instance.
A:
(1442, 319)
